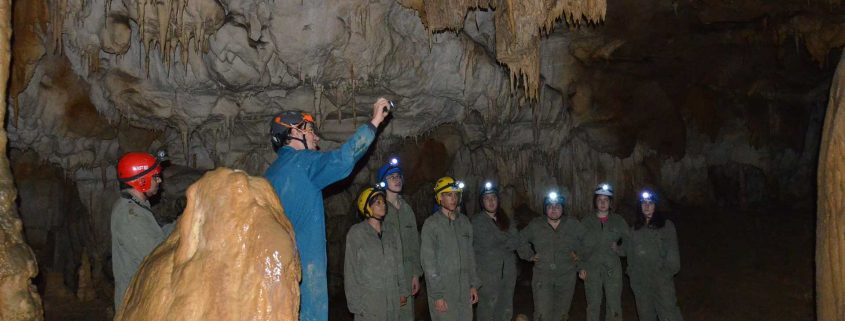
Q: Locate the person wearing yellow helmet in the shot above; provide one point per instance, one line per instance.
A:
(373, 280)
(447, 256)
(607, 231)
(558, 242)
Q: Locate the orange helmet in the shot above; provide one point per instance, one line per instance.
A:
(137, 169)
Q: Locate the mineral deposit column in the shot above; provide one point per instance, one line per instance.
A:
(18, 297)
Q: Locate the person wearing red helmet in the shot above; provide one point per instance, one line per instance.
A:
(134, 230)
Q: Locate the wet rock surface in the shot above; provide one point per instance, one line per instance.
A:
(231, 256)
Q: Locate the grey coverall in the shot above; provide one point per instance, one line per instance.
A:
(653, 261)
(604, 269)
(402, 219)
(495, 259)
(135, 234)
(448, 261)
(372, 275)
(559, 252)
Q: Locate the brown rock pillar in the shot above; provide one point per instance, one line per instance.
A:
(232, 256)
(830, 232)
(18, 298)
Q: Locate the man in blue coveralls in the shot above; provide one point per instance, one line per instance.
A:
(298, 175)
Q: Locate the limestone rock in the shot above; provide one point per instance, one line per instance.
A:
(231, 256)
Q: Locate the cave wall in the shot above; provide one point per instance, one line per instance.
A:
(709, 102)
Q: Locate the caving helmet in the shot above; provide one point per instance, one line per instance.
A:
(366, 198)
(386, 170)
(488, 188)
(648, 196)
(283, 123)
(445, 185)
(138, 169)
(604, 189)
(553, 198)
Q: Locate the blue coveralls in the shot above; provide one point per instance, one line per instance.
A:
(298, 176)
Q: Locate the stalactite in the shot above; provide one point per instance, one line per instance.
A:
(518, 26)
(318, 102)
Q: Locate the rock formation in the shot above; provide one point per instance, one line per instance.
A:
(19, 300)
(232, 256)
(830, 239)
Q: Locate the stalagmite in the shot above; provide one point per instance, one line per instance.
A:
(19, 300)
(830, 238)
(231, 256)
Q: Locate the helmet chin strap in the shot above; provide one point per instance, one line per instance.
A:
(303, 140)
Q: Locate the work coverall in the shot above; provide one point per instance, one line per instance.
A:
(653, 261)
(448, 261)
(372, 274)
(298, 177)
(135, 234)
(495, 259)
(560, 252)
(604, 268)
(402, 219)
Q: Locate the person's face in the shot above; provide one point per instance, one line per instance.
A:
(377, 206)
(155, 181)
(310, 136)
(648, 209)
(394, 182)
(554, 211)
(603, 203)
(490, 202)
(449, 200)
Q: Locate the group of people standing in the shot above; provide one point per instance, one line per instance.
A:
(464, 261)
(467, 261)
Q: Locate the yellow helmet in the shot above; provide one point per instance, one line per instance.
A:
(364, 199)
(446, 185)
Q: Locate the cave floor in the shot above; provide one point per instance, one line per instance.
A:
(736, 265)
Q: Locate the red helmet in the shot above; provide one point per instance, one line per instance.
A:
(137, 169)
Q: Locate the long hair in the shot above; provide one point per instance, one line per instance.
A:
(658, 220)
(502, 219)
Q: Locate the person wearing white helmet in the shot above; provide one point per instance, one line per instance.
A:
(495, 242)
(606, 231)
(447, 256)
(653, 261)
(558, 247)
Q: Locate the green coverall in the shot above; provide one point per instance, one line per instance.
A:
(448, 261)
(372, 275)
(135, 234)
(496, 262)
(653, 261)
(559, 253)
(604, 269)
(402, 219)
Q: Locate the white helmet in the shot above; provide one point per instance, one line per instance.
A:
(604, 189)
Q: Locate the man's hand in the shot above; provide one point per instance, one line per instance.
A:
(403, 300)
(582, 274)
(473, 296)
(415, 285)
(535, 258)
(378, 111)
(441, 306)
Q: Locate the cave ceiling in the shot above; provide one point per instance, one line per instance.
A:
(625, 82)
